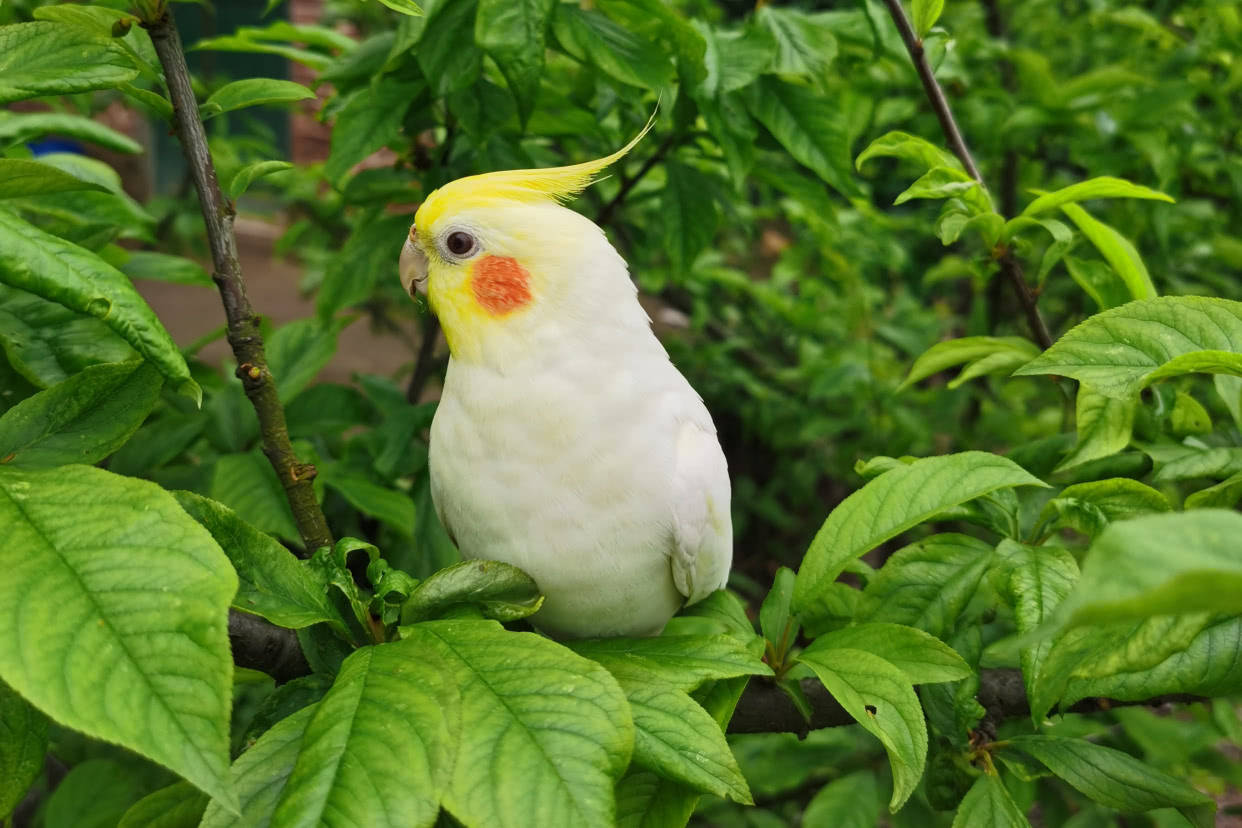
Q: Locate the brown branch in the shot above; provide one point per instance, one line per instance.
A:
(243, 323)
(1009, 265)
(425, 361)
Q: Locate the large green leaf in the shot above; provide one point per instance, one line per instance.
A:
(19, 177)
(252, 92)
(545, 732)
(247, 484)
(379, 748)
(1129, 572)
(368, 258)
(1115, 779)
(259, 775)
(1104, 425)
(880, 698)
(119, 615)
(894, 502)
(927, 584)
(512, 32)
(1121, 350)
(1039, 579)
(81, 420)
(682, 661)
(57, 270)
(850, 801)
(273, 583)
(47, 58)
(804, 42)
(298, 351)
(689, 214)
(47, 343)
(733, 59)
(808, 126)
(392, 506)
(679, 740)
(1102, 187)
(989, 805)
(1089, 507)
(966, 349)
(1117, 251)
(94, 794)
(371, 119)
(594, 38)
(23, 127)
(23, 744)
(179, 805)
(924, 658)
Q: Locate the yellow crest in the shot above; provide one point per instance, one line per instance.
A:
(551, 184)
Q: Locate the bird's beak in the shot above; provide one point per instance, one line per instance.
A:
(413, 268)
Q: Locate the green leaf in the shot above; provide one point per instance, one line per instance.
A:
(1115, 779)
(808, 126)
(896, 501)
(252, 92)
(924, 658)
(952, 352)
(927, 584)
(677, 739)
(1116, 250)
(689, 213)
(23, 127)
(544, 731)
(22, 748)
(81, 420)
(908, 147)
(1129, 574)
(1189, 416)
(246, 483)
(938, 182)
(593, 38)
(446, 51)
(1089, 507)
(22, 178)
(513, 34)
(46, 58)
(259, 775)
(370, 120)
(368, 259)
(499, 590)
(407, 7)
(1181, 462)
(298, 351)
(925, 13)
(1102, 187)
(681, 661)
(249, 173)
(118, 594)
(988, 805)
(273, 583)
(851, 801)
(1224, 495)
(880, 698)
(179, 805)
(163, 267)
(392, 506)
(1039, 579)
(776, 618)
(1121, 351)
(47, 343)
(804, 42)
(69, 275)
(1099, 281)
(379, 748)
(733, 59)
(94, 794)
(1104, 426)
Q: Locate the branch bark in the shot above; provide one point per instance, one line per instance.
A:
(1009, 265)
(243, 323)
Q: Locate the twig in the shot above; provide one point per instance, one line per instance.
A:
(606, 213)
(1009, 265)
(425, 360)
(243, 323)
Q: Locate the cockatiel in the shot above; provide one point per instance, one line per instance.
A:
(565, 442)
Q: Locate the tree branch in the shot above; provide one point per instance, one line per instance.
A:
(243, 323)
(1009, 265)
(608, 210)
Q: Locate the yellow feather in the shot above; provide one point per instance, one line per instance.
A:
(551, 184)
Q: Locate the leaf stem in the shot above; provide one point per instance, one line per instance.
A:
(1009, 266)
(243, 323)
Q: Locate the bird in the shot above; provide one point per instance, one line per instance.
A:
(565, 441)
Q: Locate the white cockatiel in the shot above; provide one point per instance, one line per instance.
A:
(565, 443)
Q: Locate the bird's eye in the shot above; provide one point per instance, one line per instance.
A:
(460, 243)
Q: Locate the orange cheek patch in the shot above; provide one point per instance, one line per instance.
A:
(500, 284)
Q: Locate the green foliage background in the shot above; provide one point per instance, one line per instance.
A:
(829, 279)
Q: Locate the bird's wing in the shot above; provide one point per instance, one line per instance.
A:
(702, 526)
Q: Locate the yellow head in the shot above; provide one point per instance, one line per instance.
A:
(497, 253)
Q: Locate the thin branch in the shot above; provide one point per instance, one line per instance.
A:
(243, 323)
(606, 213)
(425, 361)
(1009, 265)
